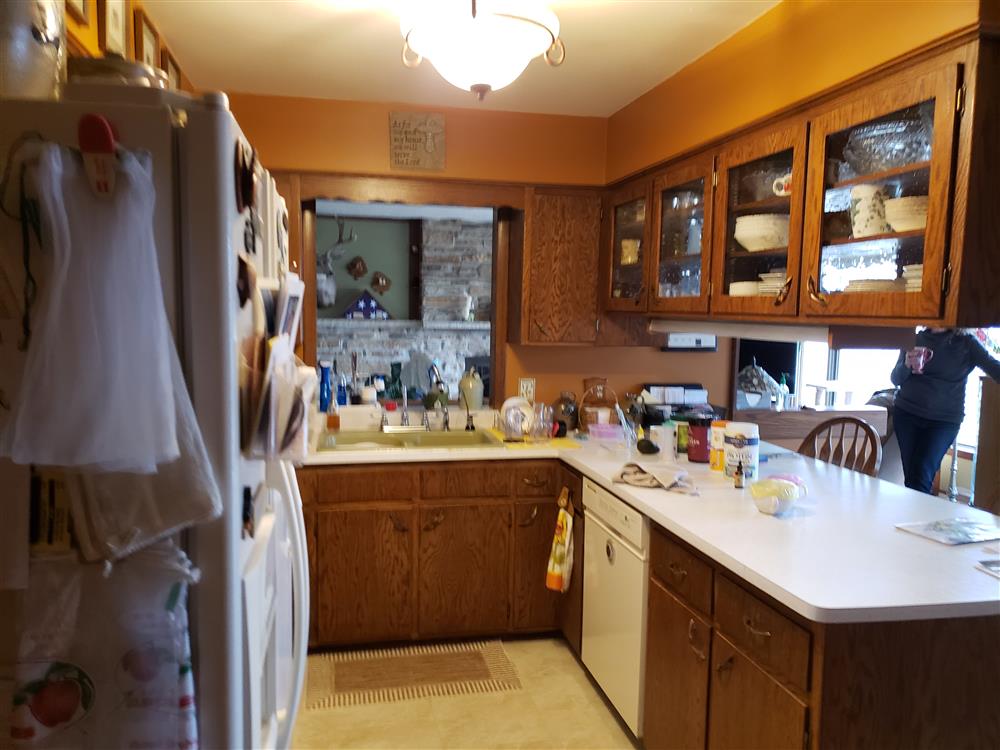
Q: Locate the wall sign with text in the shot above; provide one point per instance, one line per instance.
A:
(416, 140)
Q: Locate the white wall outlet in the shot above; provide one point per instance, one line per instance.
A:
(526, 389)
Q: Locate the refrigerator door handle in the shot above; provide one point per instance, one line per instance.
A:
(289, 493)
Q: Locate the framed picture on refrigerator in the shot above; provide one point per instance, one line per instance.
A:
(147, 41)
(169, 65)
(112, 27)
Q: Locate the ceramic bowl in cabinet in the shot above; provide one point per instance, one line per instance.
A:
(744, 288)
(757, 232)
(906, 214)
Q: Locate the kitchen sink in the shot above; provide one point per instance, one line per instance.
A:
(371, 440)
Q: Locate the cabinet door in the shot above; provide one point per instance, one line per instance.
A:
(747, 709)
(561, 268)
(877, 209)
(758, 222)
(309, 520)
(535, 606)
(464, 564)
(571, 602)
(364, 574)
(682, 213)
(676, 703)
(626, 259)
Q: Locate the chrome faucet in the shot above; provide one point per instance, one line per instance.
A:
(437, 382)
(404, 420)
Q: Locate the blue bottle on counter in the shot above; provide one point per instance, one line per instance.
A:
(342, 396)
(325, 386)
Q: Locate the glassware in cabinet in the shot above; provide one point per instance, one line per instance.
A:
(758, 222)
(876, 221)
(629, 222)
(682, 233)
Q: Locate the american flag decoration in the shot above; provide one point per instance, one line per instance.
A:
(366, 307)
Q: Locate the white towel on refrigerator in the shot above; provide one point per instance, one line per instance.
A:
(96, 392)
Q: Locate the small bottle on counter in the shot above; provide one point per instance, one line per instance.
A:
(739, 477)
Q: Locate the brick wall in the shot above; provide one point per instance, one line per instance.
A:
(457, 258)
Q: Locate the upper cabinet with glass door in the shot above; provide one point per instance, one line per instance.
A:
(877, 202)
(682, 237)
(758, 222)
(627, 211)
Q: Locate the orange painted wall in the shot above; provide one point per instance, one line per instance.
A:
(557, 369)
(323, 135)
(796, 49)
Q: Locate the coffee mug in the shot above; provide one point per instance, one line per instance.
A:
(919, 357)
(782, 185)
(663, 436)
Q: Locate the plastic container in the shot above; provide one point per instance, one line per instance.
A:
(699, 439)
(742, 445)
(717, 453)
(681, 426)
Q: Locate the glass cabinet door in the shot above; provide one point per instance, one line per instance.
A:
(682, 234)
(878, 194)
(627, 290)
(758, 223)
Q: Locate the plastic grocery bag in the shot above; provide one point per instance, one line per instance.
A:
(95, 391)
(105, 661)
(560, 568)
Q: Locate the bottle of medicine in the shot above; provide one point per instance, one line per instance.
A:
(738, 476)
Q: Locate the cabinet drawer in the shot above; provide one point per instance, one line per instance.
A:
(361, 484)
(774, 641)
(466, 480)
(536, 479)
(681, 570)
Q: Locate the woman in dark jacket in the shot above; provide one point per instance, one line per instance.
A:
(930, 404)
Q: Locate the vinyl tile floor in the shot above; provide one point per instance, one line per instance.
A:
(556, 707)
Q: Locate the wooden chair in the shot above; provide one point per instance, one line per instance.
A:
(847, 442)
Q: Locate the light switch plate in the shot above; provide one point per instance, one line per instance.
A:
(526, 389)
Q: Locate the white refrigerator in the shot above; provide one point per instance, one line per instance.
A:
(249, 613)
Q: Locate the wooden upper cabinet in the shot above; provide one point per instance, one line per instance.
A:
(878, 199)
(625, 263)
(680, 261)
(554, 279)
(757, 228)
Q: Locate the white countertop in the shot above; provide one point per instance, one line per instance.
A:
(836, 557)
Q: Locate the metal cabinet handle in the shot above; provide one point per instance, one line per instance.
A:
(702, 656)
(724, 666)
(435, 521)
(748, 624)
(782, 295)
(679, 573)
(397, 523)
(815, 294)
(531, 519)
(534, 481)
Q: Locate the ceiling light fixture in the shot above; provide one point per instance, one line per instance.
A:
(480, 45)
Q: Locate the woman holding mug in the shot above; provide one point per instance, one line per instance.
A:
(930, 403)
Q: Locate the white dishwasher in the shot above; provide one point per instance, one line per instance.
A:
(615, 582)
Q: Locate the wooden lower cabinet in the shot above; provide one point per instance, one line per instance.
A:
(676, 698)
(749, 709)
(535, 606)
(464, 561)
(364, 580)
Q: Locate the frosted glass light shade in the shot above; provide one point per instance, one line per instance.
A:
(484, 52)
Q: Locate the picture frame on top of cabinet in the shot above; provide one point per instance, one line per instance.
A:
(147, 41)
(112, 27)
(169, 64)
(79, 10)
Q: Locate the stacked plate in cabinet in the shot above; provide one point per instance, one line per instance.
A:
(772, 282)
(913, 276)
(875, 285)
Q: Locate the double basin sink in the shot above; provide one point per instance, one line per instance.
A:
(353, 441)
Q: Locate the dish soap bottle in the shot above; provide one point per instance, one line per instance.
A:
(470, 389)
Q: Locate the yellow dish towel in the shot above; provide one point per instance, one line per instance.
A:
(560, 567)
